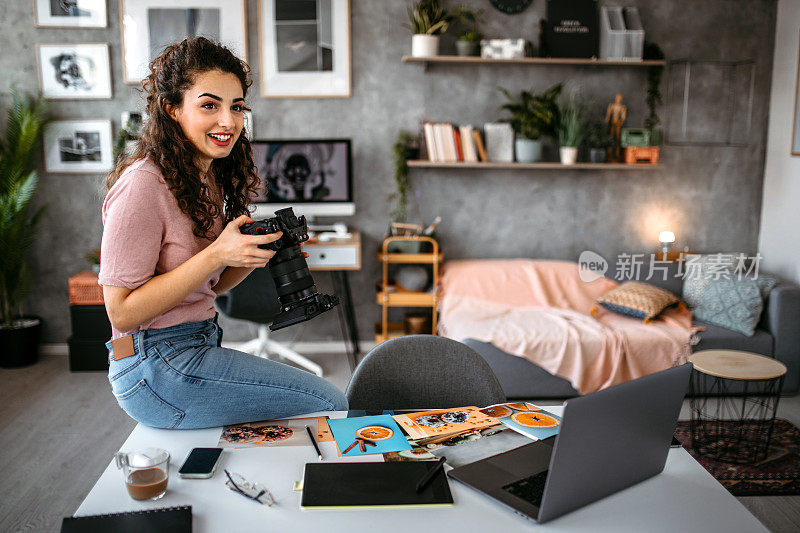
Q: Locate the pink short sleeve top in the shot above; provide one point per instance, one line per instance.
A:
(145, 234)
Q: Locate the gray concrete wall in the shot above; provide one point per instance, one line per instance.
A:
(710, 197)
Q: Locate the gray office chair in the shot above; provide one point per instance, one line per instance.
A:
(256, 299)
(422, 372)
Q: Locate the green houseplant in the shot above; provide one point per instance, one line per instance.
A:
(405, 147)
(598, 141)
(571, 128)
(653, 99)
(19, 334)
(428, 21)
(469, 38)
(533, 116)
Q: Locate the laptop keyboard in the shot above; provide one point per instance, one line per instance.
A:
(530, 489)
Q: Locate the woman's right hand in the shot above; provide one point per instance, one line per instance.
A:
(233, 249)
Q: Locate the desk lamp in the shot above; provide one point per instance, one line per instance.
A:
(666, 238)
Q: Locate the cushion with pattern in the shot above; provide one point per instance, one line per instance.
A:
(638, 300)
(735, 304)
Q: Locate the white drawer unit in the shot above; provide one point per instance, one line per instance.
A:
(335, 254)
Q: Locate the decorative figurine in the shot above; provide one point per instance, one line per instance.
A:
(615, 116)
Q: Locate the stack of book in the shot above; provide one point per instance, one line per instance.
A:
(448, 143)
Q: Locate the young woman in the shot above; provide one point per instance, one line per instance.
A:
(171, 243)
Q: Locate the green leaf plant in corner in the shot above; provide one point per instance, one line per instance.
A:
(401, 149)
(653, 99)
(26, 119)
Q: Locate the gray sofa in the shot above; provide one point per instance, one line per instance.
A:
(777, 335)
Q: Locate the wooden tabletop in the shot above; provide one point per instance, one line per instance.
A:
(734, 364)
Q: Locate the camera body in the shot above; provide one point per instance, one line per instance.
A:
(299, 298)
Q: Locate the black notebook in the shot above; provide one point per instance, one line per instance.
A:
(167, 520)
(337, 485)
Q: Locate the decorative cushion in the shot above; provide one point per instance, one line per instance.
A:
(700, 268)
(735, 304)
(637, 299)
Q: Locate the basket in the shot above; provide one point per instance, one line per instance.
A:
(621, 37)
(635, 137)
(84, 290)
(636, 155)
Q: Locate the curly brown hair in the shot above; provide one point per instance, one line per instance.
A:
(163, 140)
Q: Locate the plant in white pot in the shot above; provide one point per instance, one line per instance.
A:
(428, 21)
(533, 116)
(19, 334)
(571, 128)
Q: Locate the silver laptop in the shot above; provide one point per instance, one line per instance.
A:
(608, 441)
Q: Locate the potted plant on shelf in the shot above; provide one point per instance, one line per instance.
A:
(653, 99)
(570, 129)
(598, 141)
(428, 21)
(405, 147)
(469, 38)
(533, 116)
(19, 334)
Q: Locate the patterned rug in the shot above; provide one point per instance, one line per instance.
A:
(777, 475)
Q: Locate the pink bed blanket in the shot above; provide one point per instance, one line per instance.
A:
(540, 310)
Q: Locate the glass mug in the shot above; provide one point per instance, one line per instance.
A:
(146, 472)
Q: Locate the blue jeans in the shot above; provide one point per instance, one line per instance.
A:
(180, 377)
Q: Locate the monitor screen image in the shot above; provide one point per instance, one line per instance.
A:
(303, 171)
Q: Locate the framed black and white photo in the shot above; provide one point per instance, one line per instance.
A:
(74, 71)
(78, 146)
(70, 13)
(305, 48)
(150, 25)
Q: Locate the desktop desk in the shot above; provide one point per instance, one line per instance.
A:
(339, 256)
(682, 498)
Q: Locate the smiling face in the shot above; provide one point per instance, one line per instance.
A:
(211, 115)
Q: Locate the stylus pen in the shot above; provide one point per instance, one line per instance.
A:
(314, 442)
(430, 474)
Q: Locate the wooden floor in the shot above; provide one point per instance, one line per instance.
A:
(59, 430)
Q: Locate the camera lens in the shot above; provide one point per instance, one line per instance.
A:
(292, 278)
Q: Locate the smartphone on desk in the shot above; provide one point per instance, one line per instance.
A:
(200, 463)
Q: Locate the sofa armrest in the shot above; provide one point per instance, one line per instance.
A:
(783, 322)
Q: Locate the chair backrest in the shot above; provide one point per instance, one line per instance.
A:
(254, 299)
(422, 372)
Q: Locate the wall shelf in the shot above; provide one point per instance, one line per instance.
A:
(553, 165)
(458, 60)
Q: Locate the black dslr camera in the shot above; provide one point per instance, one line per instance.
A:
(297, 293)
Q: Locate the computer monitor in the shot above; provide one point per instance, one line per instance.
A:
(314, 177)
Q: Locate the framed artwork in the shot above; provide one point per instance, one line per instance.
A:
(796, 129)
(78, 146)
(150, 25)
(74, 71)
(305, 48)
(70, 13)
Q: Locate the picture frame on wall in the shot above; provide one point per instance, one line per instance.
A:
(150, 25)
(70, 13)
(305, 48)
(74, 71)
(78, 146)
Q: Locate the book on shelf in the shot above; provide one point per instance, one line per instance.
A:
(427, 133)
(457, 140)
(479, 145)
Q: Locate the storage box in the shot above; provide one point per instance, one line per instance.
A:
(621, 34)
(84, 290)
(635, 137)
(571, 29)
(90, 322)
(505, 48)
(635, 155)
(87, 355)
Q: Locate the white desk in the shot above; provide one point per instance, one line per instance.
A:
(682, 498)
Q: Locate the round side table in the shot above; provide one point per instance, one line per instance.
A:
(734, 418)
